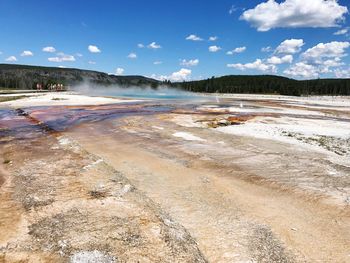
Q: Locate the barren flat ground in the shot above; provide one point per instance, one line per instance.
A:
(226, 178)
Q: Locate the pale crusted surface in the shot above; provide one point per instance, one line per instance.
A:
(250, 180)
(61, 204)
(59, 99)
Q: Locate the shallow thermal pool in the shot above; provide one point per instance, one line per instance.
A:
(148, 93)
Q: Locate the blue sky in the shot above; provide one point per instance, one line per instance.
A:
(306, 38)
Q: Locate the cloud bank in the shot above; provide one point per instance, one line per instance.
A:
(295, 13)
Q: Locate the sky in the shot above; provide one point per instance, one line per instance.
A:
(180, 40)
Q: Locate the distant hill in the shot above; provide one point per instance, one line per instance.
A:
(268, 84)
(26, 77)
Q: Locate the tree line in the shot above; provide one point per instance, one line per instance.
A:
(27, 77)
(267, 84)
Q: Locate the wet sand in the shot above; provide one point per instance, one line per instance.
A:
(278, 196)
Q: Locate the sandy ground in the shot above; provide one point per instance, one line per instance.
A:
(241, 178)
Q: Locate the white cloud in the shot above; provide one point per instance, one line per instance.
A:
(94, 49)
(119, 71)
(157, 62)
(302, 69)
(320, 59)
(214, 48)
(49, 49)
(232, 9)
(27, 53)
(295, 13)
(342, 73)
(189, 63)
(266, 49)
(154, 45)
(257, 65)
(214, 38)
(132, 56)
(341, 32)
(194, 38)
(290, 46)
(92, 62)
(79, 55)
(236, 50)
(280, 60)
(11, 59)
(336, 62)
(159, 77)
(332, 49)
(140, 45)
(181, 75)
(61, 57)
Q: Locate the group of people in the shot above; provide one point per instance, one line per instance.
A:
(52, 87)
(55, 87)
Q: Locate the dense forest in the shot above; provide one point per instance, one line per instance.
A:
(26, 77)
(23, 77)
(268, 84)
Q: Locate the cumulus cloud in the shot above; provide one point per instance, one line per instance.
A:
(295, 13)
(236, 50)
(232, 9)
(214, 48)
(181, 75)
(119, 71)
(257, 65)
(49, 49)
(266, 49)
(290, 46)
(341, 32)
(94, 49)
(140, 45)
(154, 45)
(302, 69)
(214, 38)
(157, 62)
(342, 73)
(132, 55)
(27, 53)
(320, 59)
(189, 63)
(11, 59)
(194, 38)
(92, 62)
(335, 62)
(61, 57)
(280, 60)
(332, 49)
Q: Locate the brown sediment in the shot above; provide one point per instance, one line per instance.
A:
(2, 179)
(240, 119)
